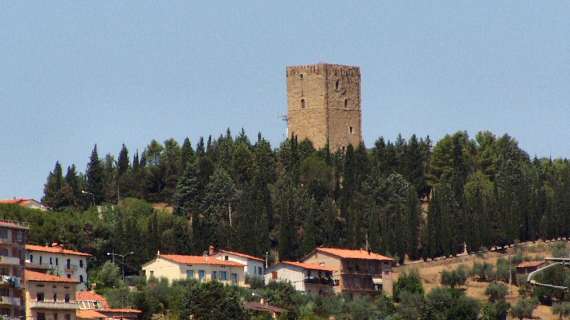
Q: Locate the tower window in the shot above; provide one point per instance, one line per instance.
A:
(346, 103)
(337, 84)
(301, 76)
(302, 103)
(350, 130)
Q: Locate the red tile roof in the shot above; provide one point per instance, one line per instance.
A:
(354, 254)
(13, 201)
(124, 310)
(44, 277)
(92, 296)
(13, 225)
(243, 255)
(199, 260)
(530, 264)
(55, 249)
(90, 314)
(308, 266)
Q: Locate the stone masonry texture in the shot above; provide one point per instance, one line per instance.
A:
(323, 102)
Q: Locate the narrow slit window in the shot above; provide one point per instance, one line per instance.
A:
(302, 103)
(350, 130)
(346, 103)
(337, 85)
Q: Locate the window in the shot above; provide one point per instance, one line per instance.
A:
(80, 263)
(302, 103)
(4, 252)
(226, 258)
(68, 276)
(81, 278)
(190, 274)
(56, 261)
(234, 278)
(201, 275)
(5, 292)
(55, 297)
(67, 298)
(40, 296)
(346, 103)
(214, 275)
(337, 85)
(350, 130)
(151, 273)
(40, 259)
(50, 260)
(68, 264)
(41, 316)
(3, 233)
(67, 316)
(301, 76)
(31, 258)
(19, 236)
(260, 271)
(223, 275)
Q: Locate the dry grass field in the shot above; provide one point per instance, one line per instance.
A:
(430, 273)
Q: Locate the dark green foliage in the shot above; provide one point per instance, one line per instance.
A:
(483, 271)
(496, 292)
(450, 304)
(409, 282)
(523, 308)
(479, 192)
(454, 278)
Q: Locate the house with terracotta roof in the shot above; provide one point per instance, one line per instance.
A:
(68, 263)
(93, 306)
(201, 268)
(253, 266)
(527, 267)
(26, 203)
(311, 278)
(357, 272)
(13, 236)
(49, 297)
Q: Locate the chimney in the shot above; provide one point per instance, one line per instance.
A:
(211, 250)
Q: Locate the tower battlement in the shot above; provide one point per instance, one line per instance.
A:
(324, 104)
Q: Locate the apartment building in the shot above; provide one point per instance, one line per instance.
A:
(201, 268)
(253, 266)
(305, 277)
(357, 272)
(50, 297)
(13, 236)
(93, 306)
(58, 260)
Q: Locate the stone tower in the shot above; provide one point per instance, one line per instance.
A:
(323, 103)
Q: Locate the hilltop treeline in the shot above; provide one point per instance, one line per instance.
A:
(246, 195)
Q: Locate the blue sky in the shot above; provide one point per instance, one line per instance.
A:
(76, 73)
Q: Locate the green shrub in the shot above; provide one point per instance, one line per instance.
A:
(408, 282)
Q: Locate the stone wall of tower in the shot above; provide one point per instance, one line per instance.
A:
(324, 104)
(343, 101)
(306, 101)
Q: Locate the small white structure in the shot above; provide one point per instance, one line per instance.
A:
(62, 262)
(201, 268)
(305, 277)
(254, 266)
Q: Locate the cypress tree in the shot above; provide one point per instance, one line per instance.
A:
(95, 183)
(53, 193)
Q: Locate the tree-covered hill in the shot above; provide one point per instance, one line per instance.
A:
(248, 196)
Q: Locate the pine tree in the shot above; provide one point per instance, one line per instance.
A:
(187, 196)
(53, 193)
(73, 182)
(187, 153)
(95, 183)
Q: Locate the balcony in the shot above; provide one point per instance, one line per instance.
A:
(71, 268)
(37, 266)
(57, 305)
(12, 261)
(11, 301)
(13, 281)
(322, 281)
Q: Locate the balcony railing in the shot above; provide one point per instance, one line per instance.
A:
(14, 261)
(71, 268)
(324, 281)
(57, 305)
(30, 265)
(13, 281)
(12, 301)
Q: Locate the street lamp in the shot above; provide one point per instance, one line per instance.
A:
(123, 257)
